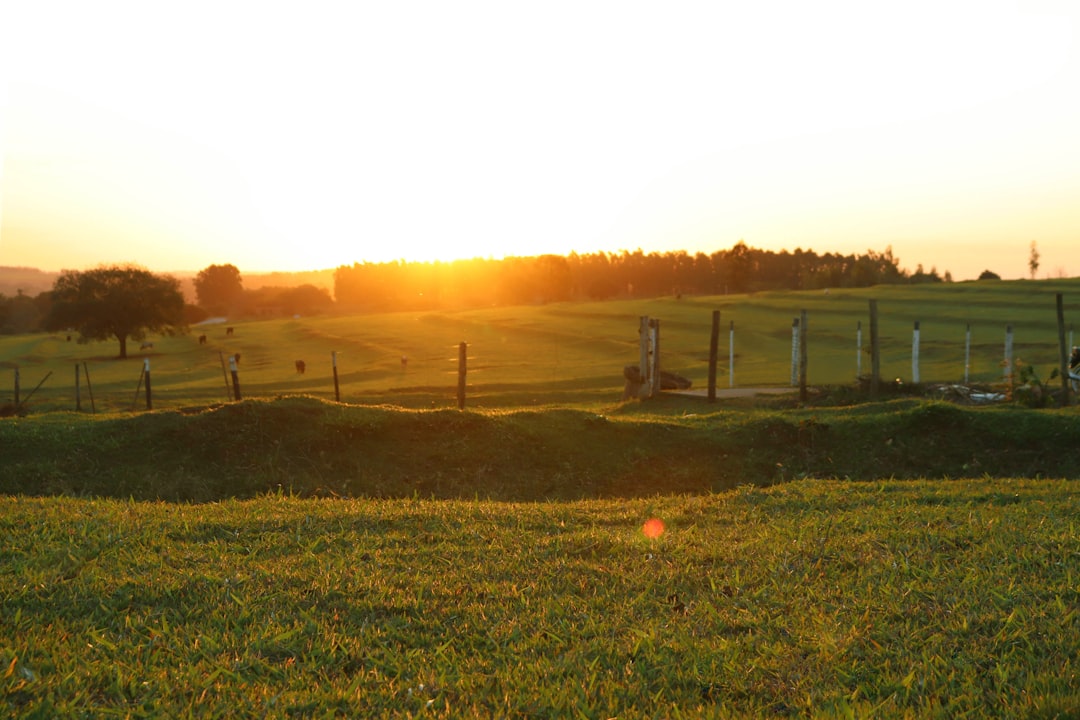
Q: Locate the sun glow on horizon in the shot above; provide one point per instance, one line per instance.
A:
(482, 130)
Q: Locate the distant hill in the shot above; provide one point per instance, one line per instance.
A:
(30, 280)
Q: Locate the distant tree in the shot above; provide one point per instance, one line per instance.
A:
(217, 287)
(921, 276)
(306, 299)
(1033, 260)
(19, 314)
(118, 301)
(989, 275)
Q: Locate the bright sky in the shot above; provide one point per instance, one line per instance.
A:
(284, 136)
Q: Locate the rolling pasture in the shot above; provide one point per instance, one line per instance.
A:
(562, 354)
(389, 556)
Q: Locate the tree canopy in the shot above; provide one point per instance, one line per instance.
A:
(217, 287)
(118, 301)
(598, 276)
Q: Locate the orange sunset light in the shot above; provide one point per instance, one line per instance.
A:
(289, 138)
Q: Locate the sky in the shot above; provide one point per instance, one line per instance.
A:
(281, 136)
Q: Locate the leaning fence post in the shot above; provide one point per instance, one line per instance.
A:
(16, 388)
(138, 387)
(915, 354)
(89, 388)
(225, 375)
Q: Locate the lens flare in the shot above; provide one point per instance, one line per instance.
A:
(653, 528)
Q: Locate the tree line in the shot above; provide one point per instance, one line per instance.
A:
(599, 276)
(125, 302)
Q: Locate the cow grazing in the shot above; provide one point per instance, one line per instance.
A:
(228, 332)
(301, 366)
(147, 346)
(202, 339)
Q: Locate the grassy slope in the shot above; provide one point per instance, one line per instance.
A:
(311, 447)
(816, 598)
(560, 354)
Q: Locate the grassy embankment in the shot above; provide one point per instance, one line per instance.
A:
(310, 447)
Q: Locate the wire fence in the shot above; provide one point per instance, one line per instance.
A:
(562, 355)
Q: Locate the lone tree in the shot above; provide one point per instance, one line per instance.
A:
(120, 301)
(217, 287)
(1033, 259)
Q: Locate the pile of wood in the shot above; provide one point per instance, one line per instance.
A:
(637, 387)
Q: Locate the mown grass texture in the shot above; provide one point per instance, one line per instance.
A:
(813, 598)
(560, 354)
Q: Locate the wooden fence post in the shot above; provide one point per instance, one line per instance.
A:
(138, 387)
(714, 347)
(794, 351)
(803, 392)
(462, 358)
(149, 396)
(1064, 370)
(875, 352)
(78, 395)
(337, 388)
(235, 377)
(915, 354)
(654, 364)
(89, 388)
(17, 388)
(225, 374)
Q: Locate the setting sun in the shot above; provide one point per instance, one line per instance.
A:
(351, 133)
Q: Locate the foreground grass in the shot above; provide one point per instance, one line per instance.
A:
(814, 598)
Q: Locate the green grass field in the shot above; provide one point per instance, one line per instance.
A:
(391, 557)
(564, 354)
(808, 599)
